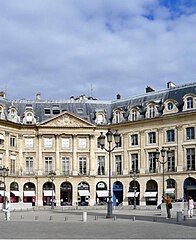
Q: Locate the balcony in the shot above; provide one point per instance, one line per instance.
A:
(117, 173)
(66, 173)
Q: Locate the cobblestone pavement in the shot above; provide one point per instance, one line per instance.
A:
(56, 224)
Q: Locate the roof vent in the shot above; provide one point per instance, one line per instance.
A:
(118, 96)
(149, 89)
(170, 84)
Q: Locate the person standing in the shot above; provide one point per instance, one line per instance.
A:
(168, 206)
(190, 207)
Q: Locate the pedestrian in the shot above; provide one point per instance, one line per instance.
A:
(168, 206)
(7, 211)
(190, 207)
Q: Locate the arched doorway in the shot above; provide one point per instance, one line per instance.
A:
(151, 192)
(101, 193)
(171, 188)
(14, 192)
(29, 195)
(134, 190)
(48, 194)
(66, 194)
(83, 194)
(117, 193)
(190, 188)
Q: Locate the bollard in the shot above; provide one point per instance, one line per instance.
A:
(36, 217)
(22, 217)
(84, 216)
(134, 218)
(51, 218)
(184, 217)
(115, 218)
(66, 218)
(179, 216)
(96, 218)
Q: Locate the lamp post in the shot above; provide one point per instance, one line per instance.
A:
(101, 140)
(4, 173)
(163, 162)
(52, 175)
(134, 176)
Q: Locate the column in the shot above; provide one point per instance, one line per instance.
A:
(92, 161)
(180, 150)
(57, 157)
(74, 159)
(40, 164)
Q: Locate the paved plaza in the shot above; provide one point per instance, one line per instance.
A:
(70, 224)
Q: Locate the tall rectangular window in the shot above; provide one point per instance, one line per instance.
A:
(48, 165)
(171, 162)
(101, 165)
(82, 142)
(13, 164)
(152, 137)
(152, 161)
(29, 165)
(65, 166)
(190, 133)
(190, 158)
(47, 142)
(29, 142)
(65, 143)
(12, 141)
(134, 139)
(134, 162)
(82, 165)
(118, 165)
(170, 135)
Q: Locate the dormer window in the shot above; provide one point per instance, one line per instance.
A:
(170, 106)
(133, 115)
(29, 118)
(100, 119)
(151, 111)
(189, 102)
(2, 115)
(117, 117)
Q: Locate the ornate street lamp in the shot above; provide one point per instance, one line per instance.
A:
(134, 175)
(4, 173)
(101, 141)
(52, 175)
(163, 162)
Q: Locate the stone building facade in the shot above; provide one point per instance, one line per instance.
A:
(37, 136)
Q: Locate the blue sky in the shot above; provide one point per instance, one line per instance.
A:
(64, 48)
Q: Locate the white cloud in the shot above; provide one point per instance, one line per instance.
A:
(62, 48)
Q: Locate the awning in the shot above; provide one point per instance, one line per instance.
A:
(29, 193)
(48, 193)
(131, 194)
(170, 190)
(84, 193)
(2, 193)
(16, 193)
(150, 194)
(102, 193)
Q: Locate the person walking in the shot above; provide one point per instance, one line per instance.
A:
(7, 211)
(190, 207)
(168, 206)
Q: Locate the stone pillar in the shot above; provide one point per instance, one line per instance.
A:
(57, 159)
(40, 160)
(74, 159)
(180, 149)
(142, 159)
(92, 160)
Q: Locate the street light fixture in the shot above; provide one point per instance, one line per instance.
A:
(101, 141)
(134, 176)
(4, 173)
(52, 175)
(163, 162)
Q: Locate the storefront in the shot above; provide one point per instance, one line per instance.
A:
(101, 193)
(117, 193)
(48, 194)
(66, 194)
(83, 194)
(29, 195)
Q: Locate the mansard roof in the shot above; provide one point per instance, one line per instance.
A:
(85, 108)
